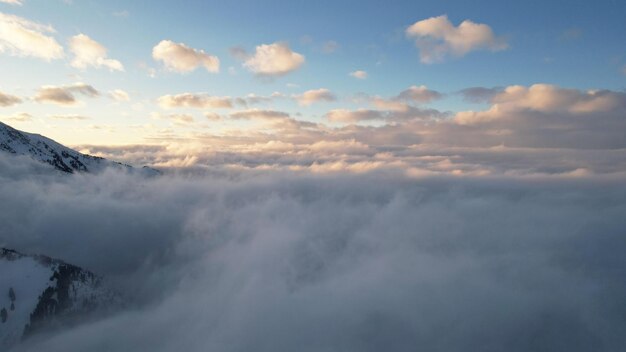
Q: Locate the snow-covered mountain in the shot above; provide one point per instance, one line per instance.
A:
(38, 292)
(62, 158)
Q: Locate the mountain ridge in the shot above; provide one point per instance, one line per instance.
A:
(62, 158)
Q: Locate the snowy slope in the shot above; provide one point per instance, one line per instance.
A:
(61, 157)
(38, 292)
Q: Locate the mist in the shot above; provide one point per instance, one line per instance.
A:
(279, 261)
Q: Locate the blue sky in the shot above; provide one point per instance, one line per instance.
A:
(572, 44)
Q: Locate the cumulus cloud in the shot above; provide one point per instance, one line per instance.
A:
(330, 262)
(275, 59)
(21, 37)
(119, 95)
(181, 58)
(9, 100)
(89, 53)
(191, 100)
(437, 38)
(64, 95)
(548, 99)
(359, 74)
(315, 95)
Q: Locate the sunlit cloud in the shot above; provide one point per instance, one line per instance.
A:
(437, 38)
(64, 95)
(419, 94)
(181, 58)
(21, 37)
(359, 74)
(13, 2)
(546, 98)
(353, 116)
(315, 95)
(191, 100)
(275, 59)
(71, 117)
(119, 95)
(257, 114)
(89, 53)
(9, 100)
(18, 117)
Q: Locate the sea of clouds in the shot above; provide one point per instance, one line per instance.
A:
(298, 261)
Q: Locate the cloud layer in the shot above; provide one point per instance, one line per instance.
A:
(281, 262)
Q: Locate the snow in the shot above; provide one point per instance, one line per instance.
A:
(28, 278)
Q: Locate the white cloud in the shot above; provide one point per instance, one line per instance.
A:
(315, 95)
(119, 95)
(89, 53)
(191, 100)
(275, 59)
(64, 95)
(9, 100)
(13, 2)
(359, 74)
(178, 57)
(21, 37)
(438, 38)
